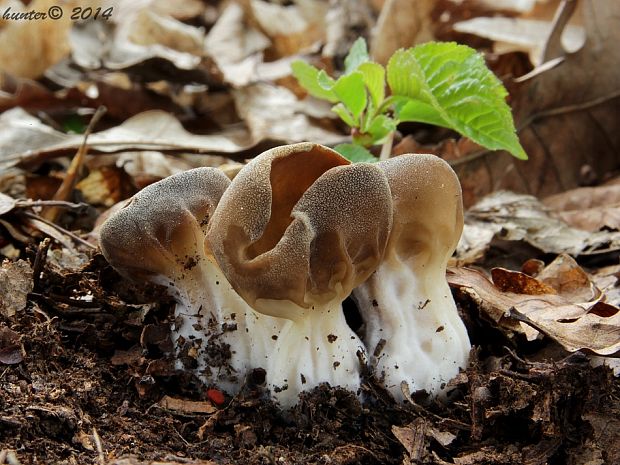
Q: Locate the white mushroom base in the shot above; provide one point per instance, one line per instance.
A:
(413, 331)
(316, 347)
(215, 333)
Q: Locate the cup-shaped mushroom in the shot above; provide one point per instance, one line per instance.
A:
(412, 328)
(159, 236)
(297, 230)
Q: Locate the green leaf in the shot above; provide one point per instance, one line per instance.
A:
(355, 153)
(308, 77)
(456, 90)
(325, 81)
(380, 127)
(357, 55)
(344, 114)
(351, 92)
(404, 75)
(374, 79)
(420, 112)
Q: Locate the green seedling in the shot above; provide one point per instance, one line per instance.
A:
(440, 83)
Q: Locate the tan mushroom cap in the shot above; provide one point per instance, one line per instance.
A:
(299, 223)
(161, 230)
(428, 207)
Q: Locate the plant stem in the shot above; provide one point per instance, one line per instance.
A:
(386, 148)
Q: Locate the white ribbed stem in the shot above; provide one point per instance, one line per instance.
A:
(317, 347)
(413, 330)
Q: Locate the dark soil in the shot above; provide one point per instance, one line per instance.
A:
(95, 370)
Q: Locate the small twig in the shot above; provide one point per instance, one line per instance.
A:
(553, 46)
(68, 183)
(28, 203)
(39, 261)
(182, 438)
(99, 446)
(386, 148)
(569, 109)
(73, 236)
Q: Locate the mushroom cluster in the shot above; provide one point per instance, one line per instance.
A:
(159, 236)
(260, 266)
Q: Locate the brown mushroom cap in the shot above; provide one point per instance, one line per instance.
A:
(428, 207)
(161, 230)
(300, 223)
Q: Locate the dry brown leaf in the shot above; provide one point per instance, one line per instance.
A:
(517, 217)
(588, 208)
(15, 284)
(24, 137)
(186, 406)
(139, 35)
(31, 47)
(413, 438)
(105, 186)
(273, 112)
(598, 330)
(293, 29)
(518, 283)
(520, 34)
(592, 325)
(401, 24)
(568, 279)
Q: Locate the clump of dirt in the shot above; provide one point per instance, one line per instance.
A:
(95, 372)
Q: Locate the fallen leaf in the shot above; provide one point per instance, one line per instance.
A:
(413, 438)
(136, 36)
(292, 28)
(401, 24)
(522, 218)
(15, 284)
(7, 203)
(569, 280)
(598, 330)
(520, 34)
(27, 49)
(519, 283)
(186, 406)
(24, 138)
(592, 325)
(588, 208)
(274, 113)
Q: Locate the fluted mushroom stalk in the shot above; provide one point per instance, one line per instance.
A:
(160, 237)
(412, 328)
(297, 230)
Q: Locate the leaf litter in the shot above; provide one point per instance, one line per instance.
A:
(86, 374)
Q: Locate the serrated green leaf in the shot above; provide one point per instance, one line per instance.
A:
(344, 114)
(404, 74)
(380, 127)
(357, 55)
(355, 153)
(464, 94)
(420, 112)
(351, 92)
(308, 77)
(374, 78)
